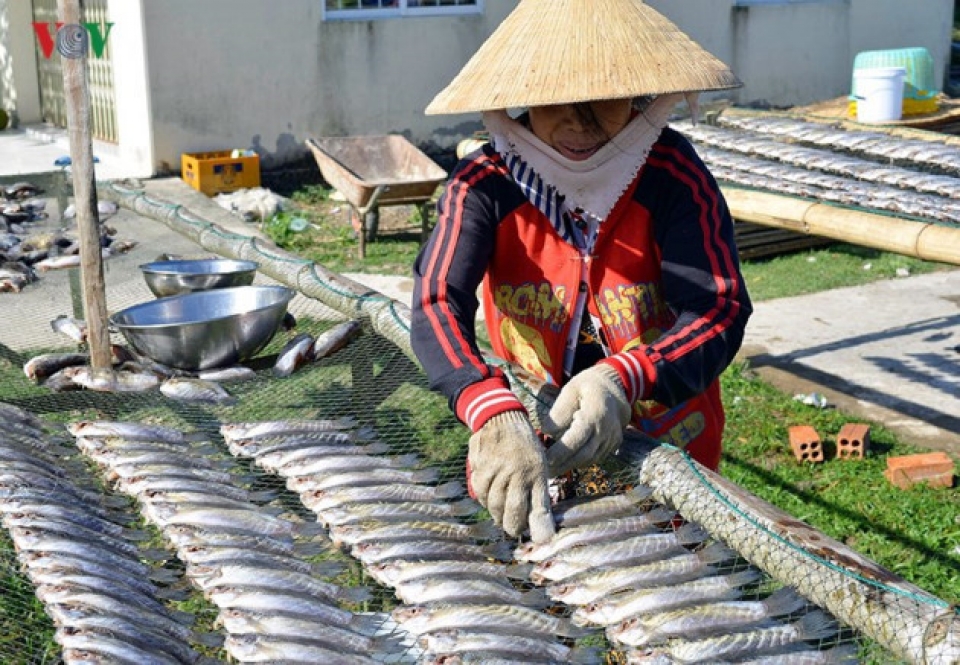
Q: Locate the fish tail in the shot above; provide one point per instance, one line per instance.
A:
(485, 530)
(408, 460)
(518, 571)
(450, 490)
(715, 553)
(744, 577)
(310, 548)
(328, 568)
(464, 507)
(430, 475)
(784, 601)
(639, 492)
(534, 598)
(376, 448)
(816, 625)
(691, 533)
(661, 514)
(309, 529)
(566, 628)
(262, 496)
(502, 550)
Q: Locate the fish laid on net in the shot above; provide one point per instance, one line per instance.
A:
(83, 561)
(246, 560)
(872, 144)
(407, 530)
(749, 143)
(910, 622)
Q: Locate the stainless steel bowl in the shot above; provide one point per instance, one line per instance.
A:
(170, 278)
(206, 329)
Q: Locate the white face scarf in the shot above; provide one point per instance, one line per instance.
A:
(594, 184)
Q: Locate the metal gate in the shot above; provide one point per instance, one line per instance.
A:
(103, 111)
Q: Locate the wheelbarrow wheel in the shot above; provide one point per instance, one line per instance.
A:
(372, 224)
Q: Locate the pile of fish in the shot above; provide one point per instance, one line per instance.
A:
(417, 536)
(25, 251)
(248, 560)
(86, 565)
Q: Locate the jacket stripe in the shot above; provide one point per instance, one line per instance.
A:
(715, 321)
(444, 323)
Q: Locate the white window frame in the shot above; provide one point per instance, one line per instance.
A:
(401, 11)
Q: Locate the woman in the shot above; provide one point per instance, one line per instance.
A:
(603, 244)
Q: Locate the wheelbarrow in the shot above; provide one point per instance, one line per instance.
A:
(377, 171)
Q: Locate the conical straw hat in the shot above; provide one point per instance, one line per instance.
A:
(567, 51)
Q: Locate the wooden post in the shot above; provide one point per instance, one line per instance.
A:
(72, 45)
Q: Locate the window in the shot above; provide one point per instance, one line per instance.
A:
(369, 9)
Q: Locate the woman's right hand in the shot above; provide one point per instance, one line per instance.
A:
(507, 474)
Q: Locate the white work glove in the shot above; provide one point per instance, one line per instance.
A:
(507, 473)
(587, 419)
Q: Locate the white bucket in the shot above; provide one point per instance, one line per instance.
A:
(879, 93)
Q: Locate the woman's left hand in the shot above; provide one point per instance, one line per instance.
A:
(587, 419)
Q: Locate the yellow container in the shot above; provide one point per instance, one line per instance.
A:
(216, 172)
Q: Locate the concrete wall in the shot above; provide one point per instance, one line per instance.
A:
(250, 73)
(19, 87)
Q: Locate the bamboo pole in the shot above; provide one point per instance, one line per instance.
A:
(923, 240)
(76, 93)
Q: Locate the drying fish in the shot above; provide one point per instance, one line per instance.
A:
(704, 619)
(845, 654)
(261, 649)
(267, 601)
(336, 338)
(399, 572)
(599, 583)
(244, 555)
(108, 380)
(510, 619)
(469, 591)
(295, 354)
(589, 510)
(284, 581)
(287, 456)
(139, 636)
(593, 533)
(235, 373)
(86, 648)
(322, 500)
(70, 327)
(518, 647)
(257, 430)
(813, 626)
(429, 550)
(242, 622)
(46, 365)
(390, 531)
(131, 431)
(196, 390)
(402, 511)
(373, 476)
(302, 472)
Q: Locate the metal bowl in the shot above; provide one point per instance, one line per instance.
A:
(170, 278)
(206, 329)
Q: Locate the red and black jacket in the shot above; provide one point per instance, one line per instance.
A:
(663, 280)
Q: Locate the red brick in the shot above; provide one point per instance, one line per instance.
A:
(806, 443)
(935, 469)
(853, 440)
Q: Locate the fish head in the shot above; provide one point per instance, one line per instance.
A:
(404, 614)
